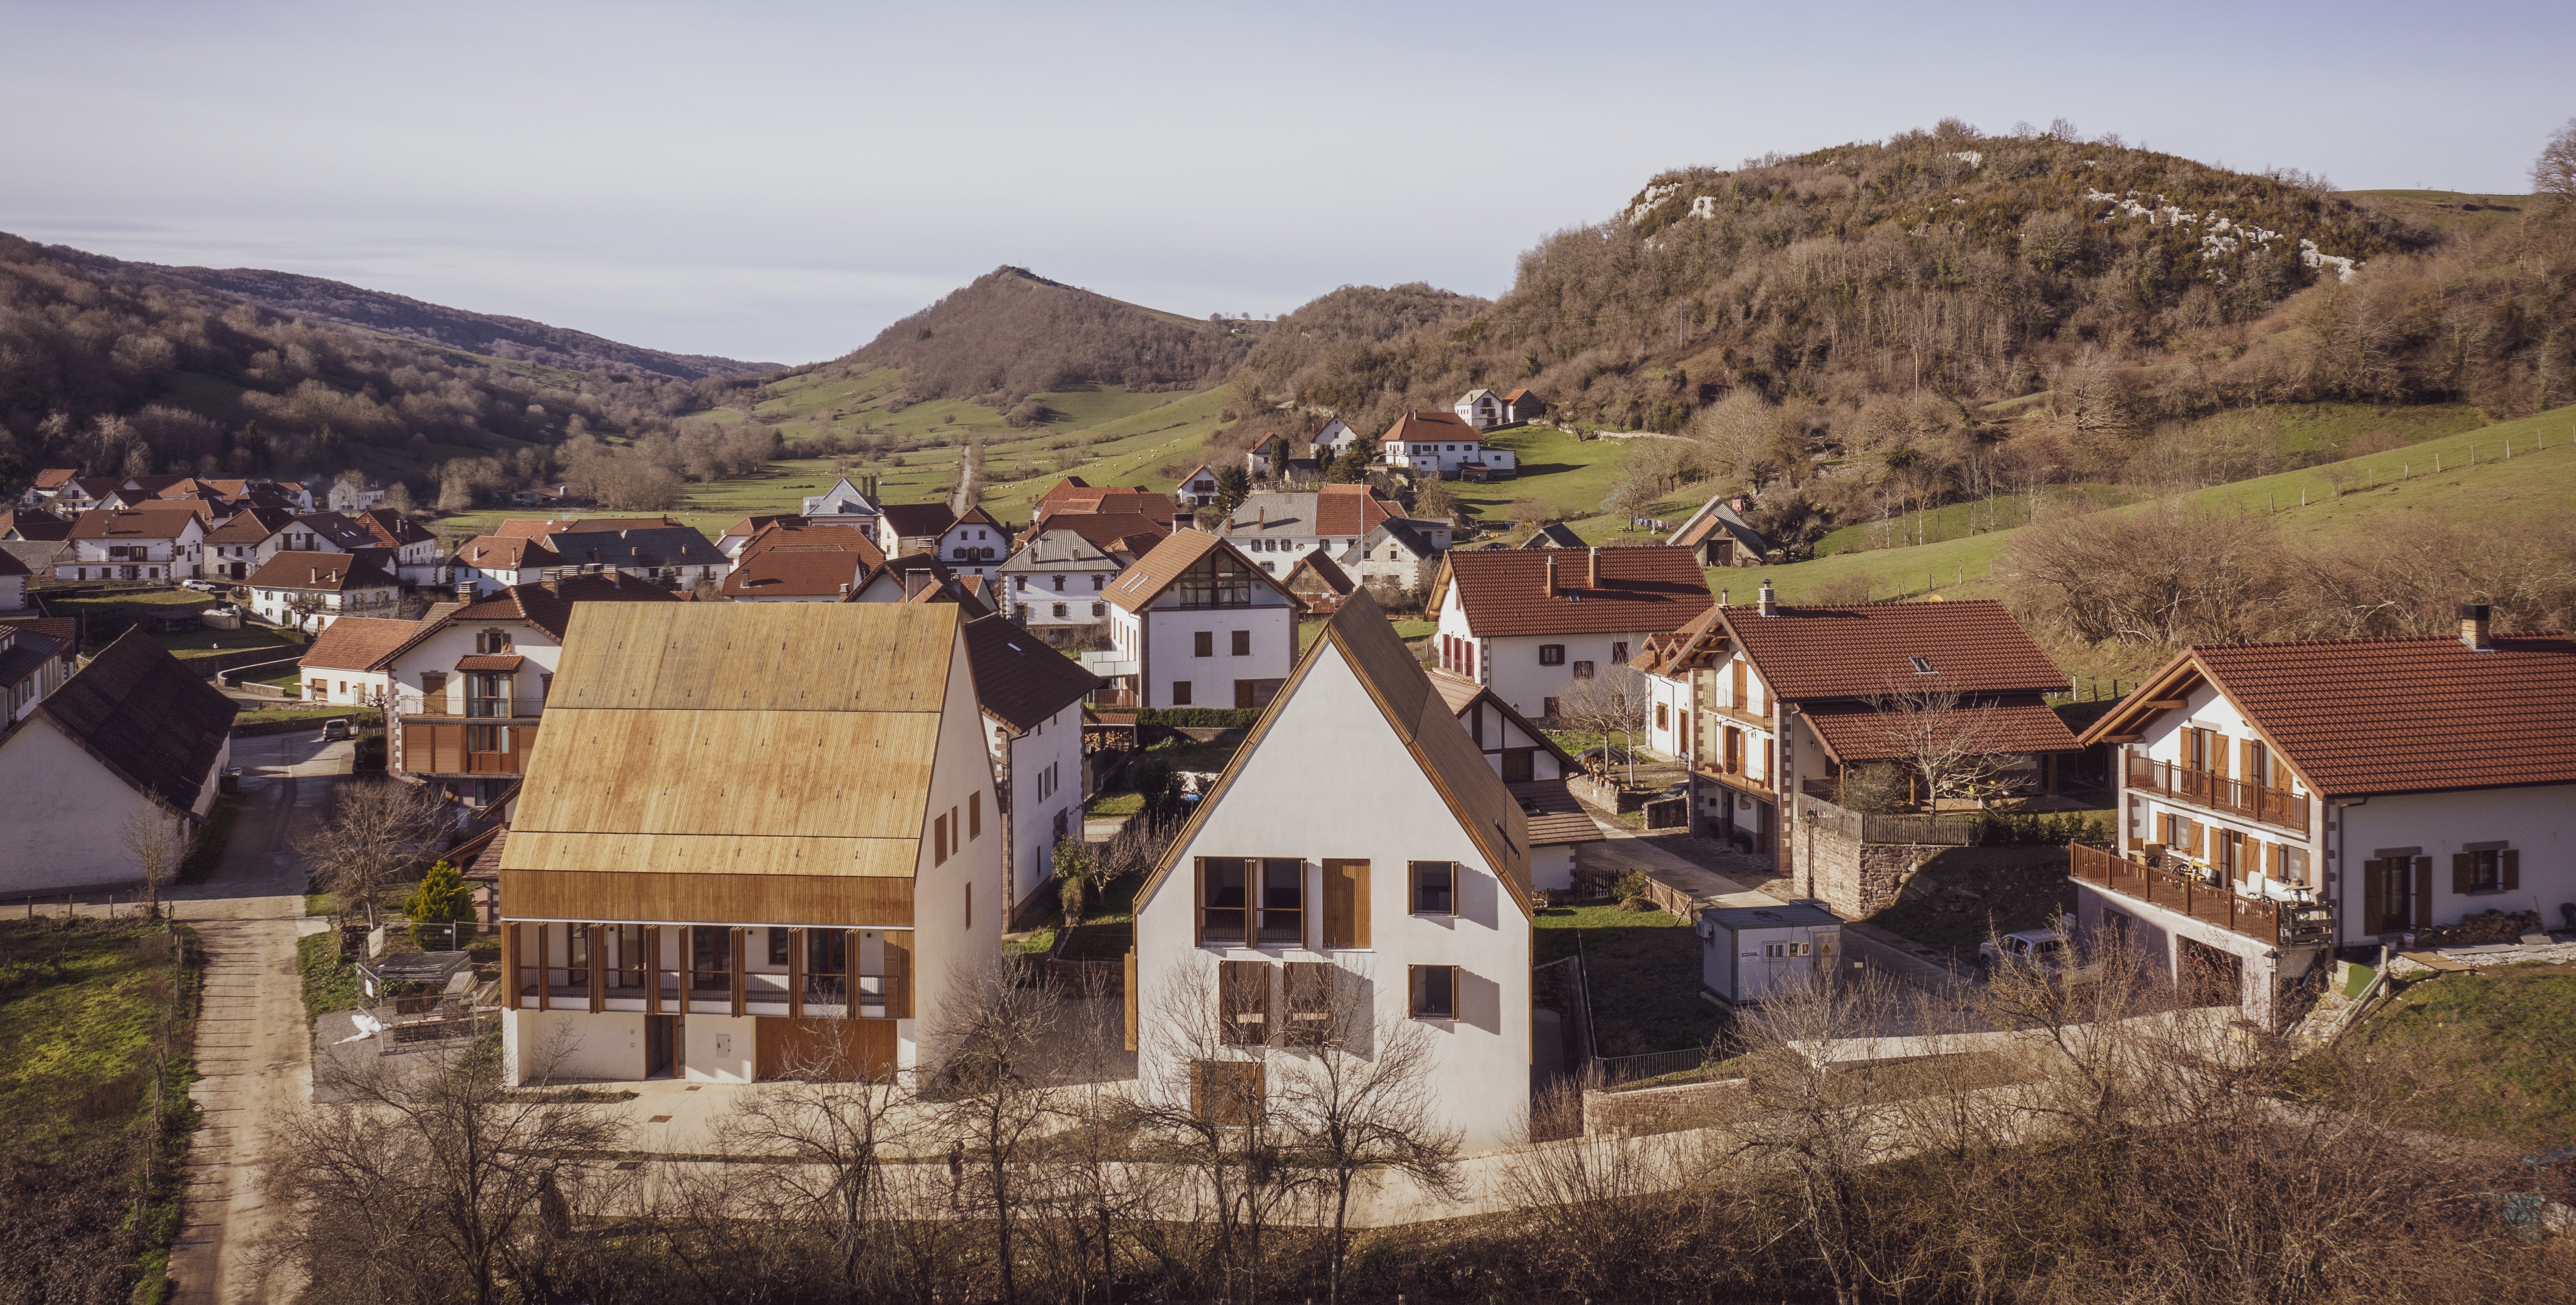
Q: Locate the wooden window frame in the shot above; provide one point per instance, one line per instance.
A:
(1346, 905)
(1414, 882)
(1551, 654)
(1307, 1019)
(939, 840)
(1267, 932)
(1247, 998)
(1417, 992)
(1203, 643)
(1239, 934)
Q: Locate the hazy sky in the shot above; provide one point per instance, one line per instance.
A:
(777, 182)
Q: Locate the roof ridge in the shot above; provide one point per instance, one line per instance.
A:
(2366, 639)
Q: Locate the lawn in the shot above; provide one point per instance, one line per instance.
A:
(330, 983)
(98, 1013)
(2383, 494)
(2477, 1055)
(1643, 969)
(172, 597)
(1963, 894)
(1572, 476)
(316, 715)
(1108, 928)
(207, 643)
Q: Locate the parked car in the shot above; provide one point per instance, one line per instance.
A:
(336, 728)
(2043, 949)
(202, 586)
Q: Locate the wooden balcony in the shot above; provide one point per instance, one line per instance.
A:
(2278, 807)
(446, 745)
(2281, 924)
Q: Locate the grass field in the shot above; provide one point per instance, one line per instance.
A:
(2382, 492)
(2480, 1055)
(1570, 475)
(206, 643)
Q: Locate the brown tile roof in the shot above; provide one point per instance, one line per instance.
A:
(1642, 589)
(55, 477)
(914, 520)
(1322, 575)
(2356, 717)
(334, 572)
(358, 643)
(796, 532)
(1107, 500)
(656, 546)
(548, 605)
(36, 527)
(797, 570)
(1516, 396)
(146, 716)
(251, 525)
(1555, 818)
(1861, 651)
(502, 663)
(157, 521)
(754, 525)
(1447, 427)
(1139, 585)
(348, 535)
(501, 553)
(1105, 531)
(1018, 677)
(1854, 731)
(392, 529)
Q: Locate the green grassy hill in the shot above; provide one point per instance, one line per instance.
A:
(2376, 492)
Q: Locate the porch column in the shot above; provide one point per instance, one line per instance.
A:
(598, 968)
(795, 974)
(652, 969)
(542, 983)
(510, 966)
(738, 955)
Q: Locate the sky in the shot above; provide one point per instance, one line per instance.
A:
(777, 182)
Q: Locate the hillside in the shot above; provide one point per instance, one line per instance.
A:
(1012, 334)
(514, 338)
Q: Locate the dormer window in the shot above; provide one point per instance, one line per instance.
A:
(492, 641)
(1922, 665)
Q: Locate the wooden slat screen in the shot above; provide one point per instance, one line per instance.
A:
(1346, 904)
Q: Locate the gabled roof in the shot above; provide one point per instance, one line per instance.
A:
(1516, 396)
(1472, 395)
(548, 605)
(657, 546)
(1052, 546)
(1864, 650)
(1020, 679)
(798, 570)
(1102, 530)
(1504, 593)
(1427, 426)
(1474, 795)
(1713, 516)
(1139, 585)
(2016, 723)
(1555, 534)
(916, 520)
(750, 526)
(156, 521)
(796, 532)
(358, 643)
(348, 535)
(10, 565)
(1106, 500)
(35, 527)
(2357, 717)
(392, 529)
(55, 477)
(1321, 575)
(24, 651)
(144, 715)
(325, 572)
(738, 738)
(250, 526)
(503, 553)
(1462, 694)
(1676, 651)
(974, 516)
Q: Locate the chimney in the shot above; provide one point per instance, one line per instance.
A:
(2473, 627)
(465, 590)
(1550, 587)
(1592, 569)
(1738, 505)
(1769, 608)
(1721, 598)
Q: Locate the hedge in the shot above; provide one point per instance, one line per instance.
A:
(2044, 828)
(1200, 718)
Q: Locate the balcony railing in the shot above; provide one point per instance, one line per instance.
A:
(2272, 806)
(1954, 830)
(2284, 924)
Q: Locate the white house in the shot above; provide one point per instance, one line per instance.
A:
(1393, 892)
(412, 550)
(1771, 703)
(1031, 697)
(470, 682)
(1335, 439)
(149, 543)
(1058, 578)
(1440, 444)
(790, 561)
(351, 494)
(1194, 624)
(245, 541)
(345, 664)
(845, 503)
(1265, 455)
(914, 528)
(1482, 409)
(1276, 529)
(135, 736)
(2279, 800)
(13, 583)
(1197, 488)
(1535, 769)
(495, 562)
(37, 654)
(1719, 535)
(974, 544)
(705, 894)
(308, 591)
(1399, 558)
(1530, 624)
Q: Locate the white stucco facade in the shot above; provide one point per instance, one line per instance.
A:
(1527, 671)
(67, 813)
(1329, 744)
(1043, 770)
(1164, 640)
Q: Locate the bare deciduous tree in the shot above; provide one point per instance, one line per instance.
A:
(375, 829)
(834, 1131)
(994, 1082)
(2553, 173)
(154, 839)
(1614, 699)
(1952, 744)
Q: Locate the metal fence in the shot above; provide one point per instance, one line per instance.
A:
(1959, 830)
(1609, 1073)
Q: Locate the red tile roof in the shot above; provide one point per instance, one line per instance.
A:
(548, 605)
(798, 571)
(35, 527)
(392, 529)
(55, 477)
(1444, 426)
(2356, 717)
(158, 521)
(916, 520)
(1504, 592)
(503, 553)
(1854, 732)
(357, 643)
(796, 532)
(1864, 650)
(1104, 531)
(251, 525)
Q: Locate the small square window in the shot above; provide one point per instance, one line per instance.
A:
(1435, 887)
(1434, 992)
(1180, 693)
(1203, 643)
(1099, 610)
(1583, 670)
(1242, 643)
(1551, 654)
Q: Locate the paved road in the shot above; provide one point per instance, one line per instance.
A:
(253, 1051)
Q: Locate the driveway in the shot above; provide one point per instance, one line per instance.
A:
(253, 1050)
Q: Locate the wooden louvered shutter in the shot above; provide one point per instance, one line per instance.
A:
(2423, 892)
(2245, 761)
(1198, 900)
(898, 975)
(2509, 869)
(2374, 895)
(2464, 871)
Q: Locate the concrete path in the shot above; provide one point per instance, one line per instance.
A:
(1711, 875)
(253, 1050)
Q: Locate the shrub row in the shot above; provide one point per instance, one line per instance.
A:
(1200, 718)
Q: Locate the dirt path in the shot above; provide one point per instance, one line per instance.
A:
(254, 1059)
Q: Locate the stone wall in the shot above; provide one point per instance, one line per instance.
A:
(1855, 879)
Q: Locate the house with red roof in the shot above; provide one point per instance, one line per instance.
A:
(309, 591)
(159, 542)
(1529, 625)
(1771, 704)
(1446, 445)
(2279, 800)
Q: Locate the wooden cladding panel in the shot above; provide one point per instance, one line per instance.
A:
(440, 748)
(744, 899)
(811, 773)
(825, 1050)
